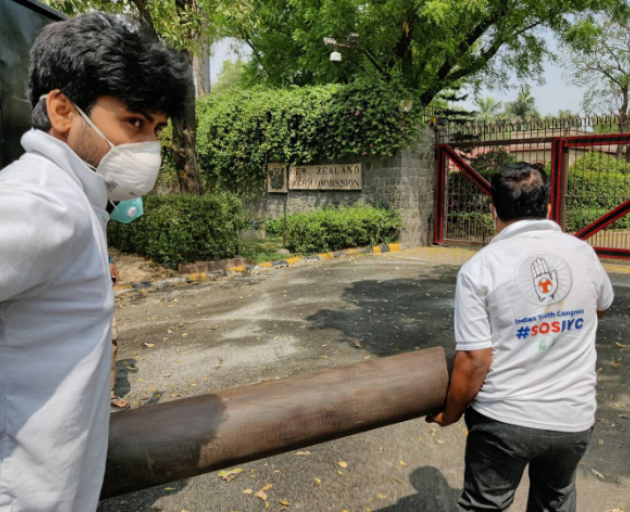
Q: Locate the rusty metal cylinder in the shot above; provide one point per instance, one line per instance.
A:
(167, 442)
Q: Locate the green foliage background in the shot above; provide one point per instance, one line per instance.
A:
(331, 229)
(241, 131)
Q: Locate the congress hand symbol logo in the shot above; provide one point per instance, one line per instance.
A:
(545, 281)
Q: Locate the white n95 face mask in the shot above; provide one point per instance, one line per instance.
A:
(129, 170)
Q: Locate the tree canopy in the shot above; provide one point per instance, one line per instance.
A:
(429, 45)
(181, 24)
(230, 76)
(600, 62)
(488, 109)
(523, 107)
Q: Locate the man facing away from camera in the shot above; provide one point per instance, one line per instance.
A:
(101, 89)
(526, 313)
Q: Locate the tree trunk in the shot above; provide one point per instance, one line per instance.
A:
(202, 70)
(184, 141)
(404, 50)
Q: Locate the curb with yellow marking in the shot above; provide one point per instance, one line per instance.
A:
(200, 277)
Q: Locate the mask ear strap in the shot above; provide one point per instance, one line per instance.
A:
(88, 121)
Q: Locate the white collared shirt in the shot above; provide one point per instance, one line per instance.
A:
(532, 296)
(56, 306)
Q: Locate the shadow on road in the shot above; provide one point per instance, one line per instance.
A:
(434, 493)
(393, 316)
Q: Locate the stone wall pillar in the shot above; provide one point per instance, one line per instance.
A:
(405, 181)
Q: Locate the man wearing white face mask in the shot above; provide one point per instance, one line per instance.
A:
(101, 88)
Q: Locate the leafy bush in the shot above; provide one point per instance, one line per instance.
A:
(600, 162)
(598, 180)
(331, 229)
(580, 218)
(240, 131)
(182, 228)
(461, 225)
(491, 162)
(274, 226)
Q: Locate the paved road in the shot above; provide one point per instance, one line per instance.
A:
(290, 321)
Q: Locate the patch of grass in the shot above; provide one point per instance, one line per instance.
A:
(259, 251)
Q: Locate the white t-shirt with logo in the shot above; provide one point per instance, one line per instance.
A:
(532, 296)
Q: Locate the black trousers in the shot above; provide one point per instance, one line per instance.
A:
(496, 456)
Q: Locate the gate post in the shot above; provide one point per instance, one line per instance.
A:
(440, 196)
(559, 181)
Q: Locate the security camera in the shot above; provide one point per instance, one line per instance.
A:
(330, 41)
(335, 57)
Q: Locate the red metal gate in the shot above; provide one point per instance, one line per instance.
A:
(590, 190)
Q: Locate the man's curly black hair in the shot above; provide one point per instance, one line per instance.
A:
(96, 54)
(520, 191)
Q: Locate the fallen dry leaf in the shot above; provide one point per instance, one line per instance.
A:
(303, 453)
(440, 441)
(616, 365)
(600, 442)
(399, 481)
(357, 343)
(230, 474)
(342, 464)
(169, 488)
(248, 491)
(403, 463)
(623, 416)
(597, 474)
(148, 345)
(620, 345)
(284, 503)
(381, 496)
(192, 384)
(318, 480)
(176, 395)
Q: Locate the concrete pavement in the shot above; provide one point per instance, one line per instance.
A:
(207, 337)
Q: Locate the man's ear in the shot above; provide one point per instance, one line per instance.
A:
(549, 211)
(61, 112)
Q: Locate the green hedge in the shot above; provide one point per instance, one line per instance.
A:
(332, 229)
(598, 180)
(182, 228)
(580, 218)
(462, 225)
(241, 131)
